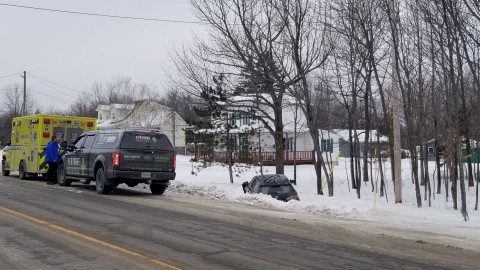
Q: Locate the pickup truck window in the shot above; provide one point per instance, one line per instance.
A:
(79, 142)
(134, 140)
(89, 141)
(106, 140)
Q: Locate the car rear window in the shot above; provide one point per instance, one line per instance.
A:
(106, 140)
(139, 140)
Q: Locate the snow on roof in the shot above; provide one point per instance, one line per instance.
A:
(105, 107)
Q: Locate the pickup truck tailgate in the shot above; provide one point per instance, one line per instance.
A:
(146, 152)
(146, 160)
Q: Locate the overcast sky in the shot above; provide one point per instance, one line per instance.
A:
(77, 50)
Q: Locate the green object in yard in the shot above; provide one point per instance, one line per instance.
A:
(474, 155)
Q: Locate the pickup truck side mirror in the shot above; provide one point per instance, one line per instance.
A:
(63, 144)
(293, 182)
(244, 186)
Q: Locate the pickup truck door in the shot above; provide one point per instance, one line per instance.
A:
(82, 156)
(73, 164)
(88, 157)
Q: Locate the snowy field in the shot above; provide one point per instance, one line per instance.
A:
(440, 221)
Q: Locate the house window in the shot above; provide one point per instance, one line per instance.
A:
(327, 145)
(430, 151)
(101, 117)
(290, 144)
(113, 116)
(233, 144)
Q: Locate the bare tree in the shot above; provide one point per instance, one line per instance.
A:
(121, 90)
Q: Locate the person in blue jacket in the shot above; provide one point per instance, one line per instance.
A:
(51, 157)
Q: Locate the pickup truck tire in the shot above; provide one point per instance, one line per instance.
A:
(158, 189)
(21, 171)
(4, 172)
(62, 176)
(100, 182)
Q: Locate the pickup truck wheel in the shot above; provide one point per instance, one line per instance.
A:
(62, 176)
(100, 180)
(4, 172)
(158, 189)
(21, 171)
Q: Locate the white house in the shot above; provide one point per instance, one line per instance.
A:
(144, 114)
(251, 138)
(338, 140)
(113, 112)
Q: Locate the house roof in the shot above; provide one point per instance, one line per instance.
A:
(105, 107)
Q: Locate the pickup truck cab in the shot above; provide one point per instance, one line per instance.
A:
(113, 157)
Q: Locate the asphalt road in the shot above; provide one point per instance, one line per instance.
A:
(50, 227)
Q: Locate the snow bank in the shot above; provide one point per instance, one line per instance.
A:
(212, 182)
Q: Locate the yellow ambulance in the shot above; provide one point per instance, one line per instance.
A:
(30, 136)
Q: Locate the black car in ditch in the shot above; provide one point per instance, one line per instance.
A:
(276, 185)
(113, 157)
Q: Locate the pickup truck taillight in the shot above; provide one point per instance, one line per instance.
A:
(115, 159)
(174, 162)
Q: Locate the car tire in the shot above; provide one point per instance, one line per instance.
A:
(100, 182)
(21, 171)
(62, 176)
(4, 172)
(158, 189)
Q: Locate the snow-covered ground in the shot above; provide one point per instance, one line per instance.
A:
(440, 221)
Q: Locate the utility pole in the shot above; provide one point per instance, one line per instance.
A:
(174, 128)
(397, 158)
(24, 111)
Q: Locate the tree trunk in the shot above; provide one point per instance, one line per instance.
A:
(352, 160)
(437, 162)
(462, 183)
(469, 163)
(279, 143)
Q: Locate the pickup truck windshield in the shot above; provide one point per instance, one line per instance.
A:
(139, 140)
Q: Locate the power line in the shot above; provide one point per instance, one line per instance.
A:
(1, 77)
(41, 81)
(102, 15)
(10, 87)
(53, 97)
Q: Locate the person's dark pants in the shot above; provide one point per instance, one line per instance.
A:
(52, 171)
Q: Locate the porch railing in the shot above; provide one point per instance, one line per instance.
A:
(268, 158)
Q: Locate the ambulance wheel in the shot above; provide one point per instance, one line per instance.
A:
(4, 172)
(100, 182)
(21, 171)
(62, 176)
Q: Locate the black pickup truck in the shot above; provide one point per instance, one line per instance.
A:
(112, 157)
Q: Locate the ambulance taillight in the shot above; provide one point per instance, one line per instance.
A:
(46, 121)
(90, 124)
